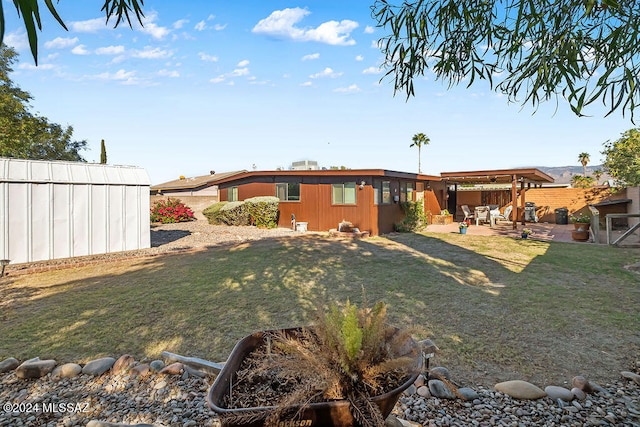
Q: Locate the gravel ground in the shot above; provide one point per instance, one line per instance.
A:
(166, 239)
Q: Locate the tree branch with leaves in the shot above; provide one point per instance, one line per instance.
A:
(578, 51)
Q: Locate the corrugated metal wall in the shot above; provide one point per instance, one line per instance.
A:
(51, 210)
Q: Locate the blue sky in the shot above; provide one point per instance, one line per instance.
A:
(220, 85)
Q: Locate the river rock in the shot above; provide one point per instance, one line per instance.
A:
(581, 382)
(468, 394)
(555, 392)
(123, 364)
(420, 381)
(141, 370)
(98, 366)
(8, 365)
(439, 389)
(438, 373)
(519, 389)
(35, 368)
(96, 423)
(631, 376)
(156, 365)
(68, 370)
(173, 369)
(423, 391)
(578, 393)
(392, 421)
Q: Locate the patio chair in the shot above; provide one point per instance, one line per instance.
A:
(467, 212)
(482, 213)
(505, 216)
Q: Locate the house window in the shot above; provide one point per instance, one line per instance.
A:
(403, 191)
(288, 192)
(409, 192)
(386, 192)
(232, 194)
(343, 194)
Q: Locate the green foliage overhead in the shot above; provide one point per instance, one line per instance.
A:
(578, 51)
(24, 135)
(622, 160)
(29, 11)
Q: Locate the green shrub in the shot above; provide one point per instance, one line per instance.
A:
(263, 211)
(170, 211)
(234, 213)
(212, 213)
(415, 219)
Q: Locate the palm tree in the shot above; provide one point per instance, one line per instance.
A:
(583, 158)
(419, 140)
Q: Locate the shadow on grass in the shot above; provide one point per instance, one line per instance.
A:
(497, 310)
(162, 237)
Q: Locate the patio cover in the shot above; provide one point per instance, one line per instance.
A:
(502, 176)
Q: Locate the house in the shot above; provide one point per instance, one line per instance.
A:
(368, 198)
(198, 192)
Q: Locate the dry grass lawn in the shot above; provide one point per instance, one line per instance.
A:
(498, 308)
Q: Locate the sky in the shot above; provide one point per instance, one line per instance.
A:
(226, 86)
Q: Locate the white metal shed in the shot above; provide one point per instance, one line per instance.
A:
(53, 209)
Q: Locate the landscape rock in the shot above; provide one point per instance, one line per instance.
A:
(556, 392)
(95, 423)
(68, 370)
(156, 365)
(631, 376)
(123, 364)
(468, 394)
(439, 389)
(8, 365)
(581, 382)
(578, 393)
(420, 381)
(392, 421)
(98, 366)
(423, 391)
(439, 373)
(519, 389)
(35, 368)
(141, 370)
(173, 369)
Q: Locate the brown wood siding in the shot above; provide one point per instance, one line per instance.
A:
(431, 203)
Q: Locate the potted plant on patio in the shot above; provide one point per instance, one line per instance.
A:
(581, 224)
(348, 369)
(526, 232)
(463, 227)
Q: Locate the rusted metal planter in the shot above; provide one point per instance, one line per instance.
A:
(335, 413)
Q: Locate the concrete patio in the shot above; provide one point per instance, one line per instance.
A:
(541, 231)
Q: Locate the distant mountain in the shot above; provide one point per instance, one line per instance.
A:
(563, 174)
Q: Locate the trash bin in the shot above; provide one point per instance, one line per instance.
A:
(562, 216)
(530, 212)
(301, 226)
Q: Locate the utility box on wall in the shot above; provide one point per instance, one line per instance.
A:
(53, 209)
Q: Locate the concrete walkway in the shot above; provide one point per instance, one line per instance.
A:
(541, 231)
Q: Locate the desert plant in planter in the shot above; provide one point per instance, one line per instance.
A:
(349, 369)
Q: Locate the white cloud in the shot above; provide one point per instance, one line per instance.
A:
(218, 79)
(211, 17)
(306, 84)
(89, 26)
(180, 23)
(327, 72)
(351, 89)
(122, 76)
(243, 63)
(151, 28)
(152, 53)
(281, 23)
(110, 50)
(18, 41)
(29, 66)
(369, 29)
(61, 42)
(372, 70)
(240, 72)
(200, 26)
(311, 56)
(219, 27)
(80, 50)
(168, 73)
(359, 58)
(206, 57)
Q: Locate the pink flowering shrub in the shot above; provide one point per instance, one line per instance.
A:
(170, 211)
